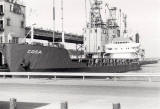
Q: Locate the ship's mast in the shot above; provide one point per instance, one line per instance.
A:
(32, 32)
(120, 18)
(63, 40)
(125, 23)
(53, 20)
(86, 11)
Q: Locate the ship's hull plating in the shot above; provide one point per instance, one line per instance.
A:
(37, 58)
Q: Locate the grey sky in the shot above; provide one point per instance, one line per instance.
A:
(143, 17)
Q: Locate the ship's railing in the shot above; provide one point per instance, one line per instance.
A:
(82, 75)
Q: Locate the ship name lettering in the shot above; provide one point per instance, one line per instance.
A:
(34, 52)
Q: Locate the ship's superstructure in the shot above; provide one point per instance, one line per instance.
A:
(100, 32)
(108, 37)
(125, 48)
(122, 48)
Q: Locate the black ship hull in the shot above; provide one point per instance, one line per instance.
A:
(38, 58)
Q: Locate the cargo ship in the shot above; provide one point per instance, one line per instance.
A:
(17, 55)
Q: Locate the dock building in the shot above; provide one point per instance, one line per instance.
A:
(12, 21)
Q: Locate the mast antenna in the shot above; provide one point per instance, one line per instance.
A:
(120, 17)
(53, 20)
(63, 40)
(86, 11)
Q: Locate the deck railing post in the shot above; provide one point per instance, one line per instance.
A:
(55, 76)
(28, 76)
(83, 76)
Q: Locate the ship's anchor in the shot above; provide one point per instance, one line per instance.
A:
(24, 66)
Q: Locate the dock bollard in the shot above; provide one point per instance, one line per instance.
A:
(117, 106)
(13, 103)
(64, 105)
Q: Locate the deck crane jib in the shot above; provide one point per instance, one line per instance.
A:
(95, 14)
(112, 24)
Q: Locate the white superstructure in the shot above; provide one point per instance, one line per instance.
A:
(122, 48)
(98, 31)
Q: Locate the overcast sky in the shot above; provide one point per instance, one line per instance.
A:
(143, 17)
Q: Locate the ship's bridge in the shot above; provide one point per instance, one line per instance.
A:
(122, 45)
(121, 40)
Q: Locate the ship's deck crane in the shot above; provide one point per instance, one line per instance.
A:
(106, 5)
(95, 14)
